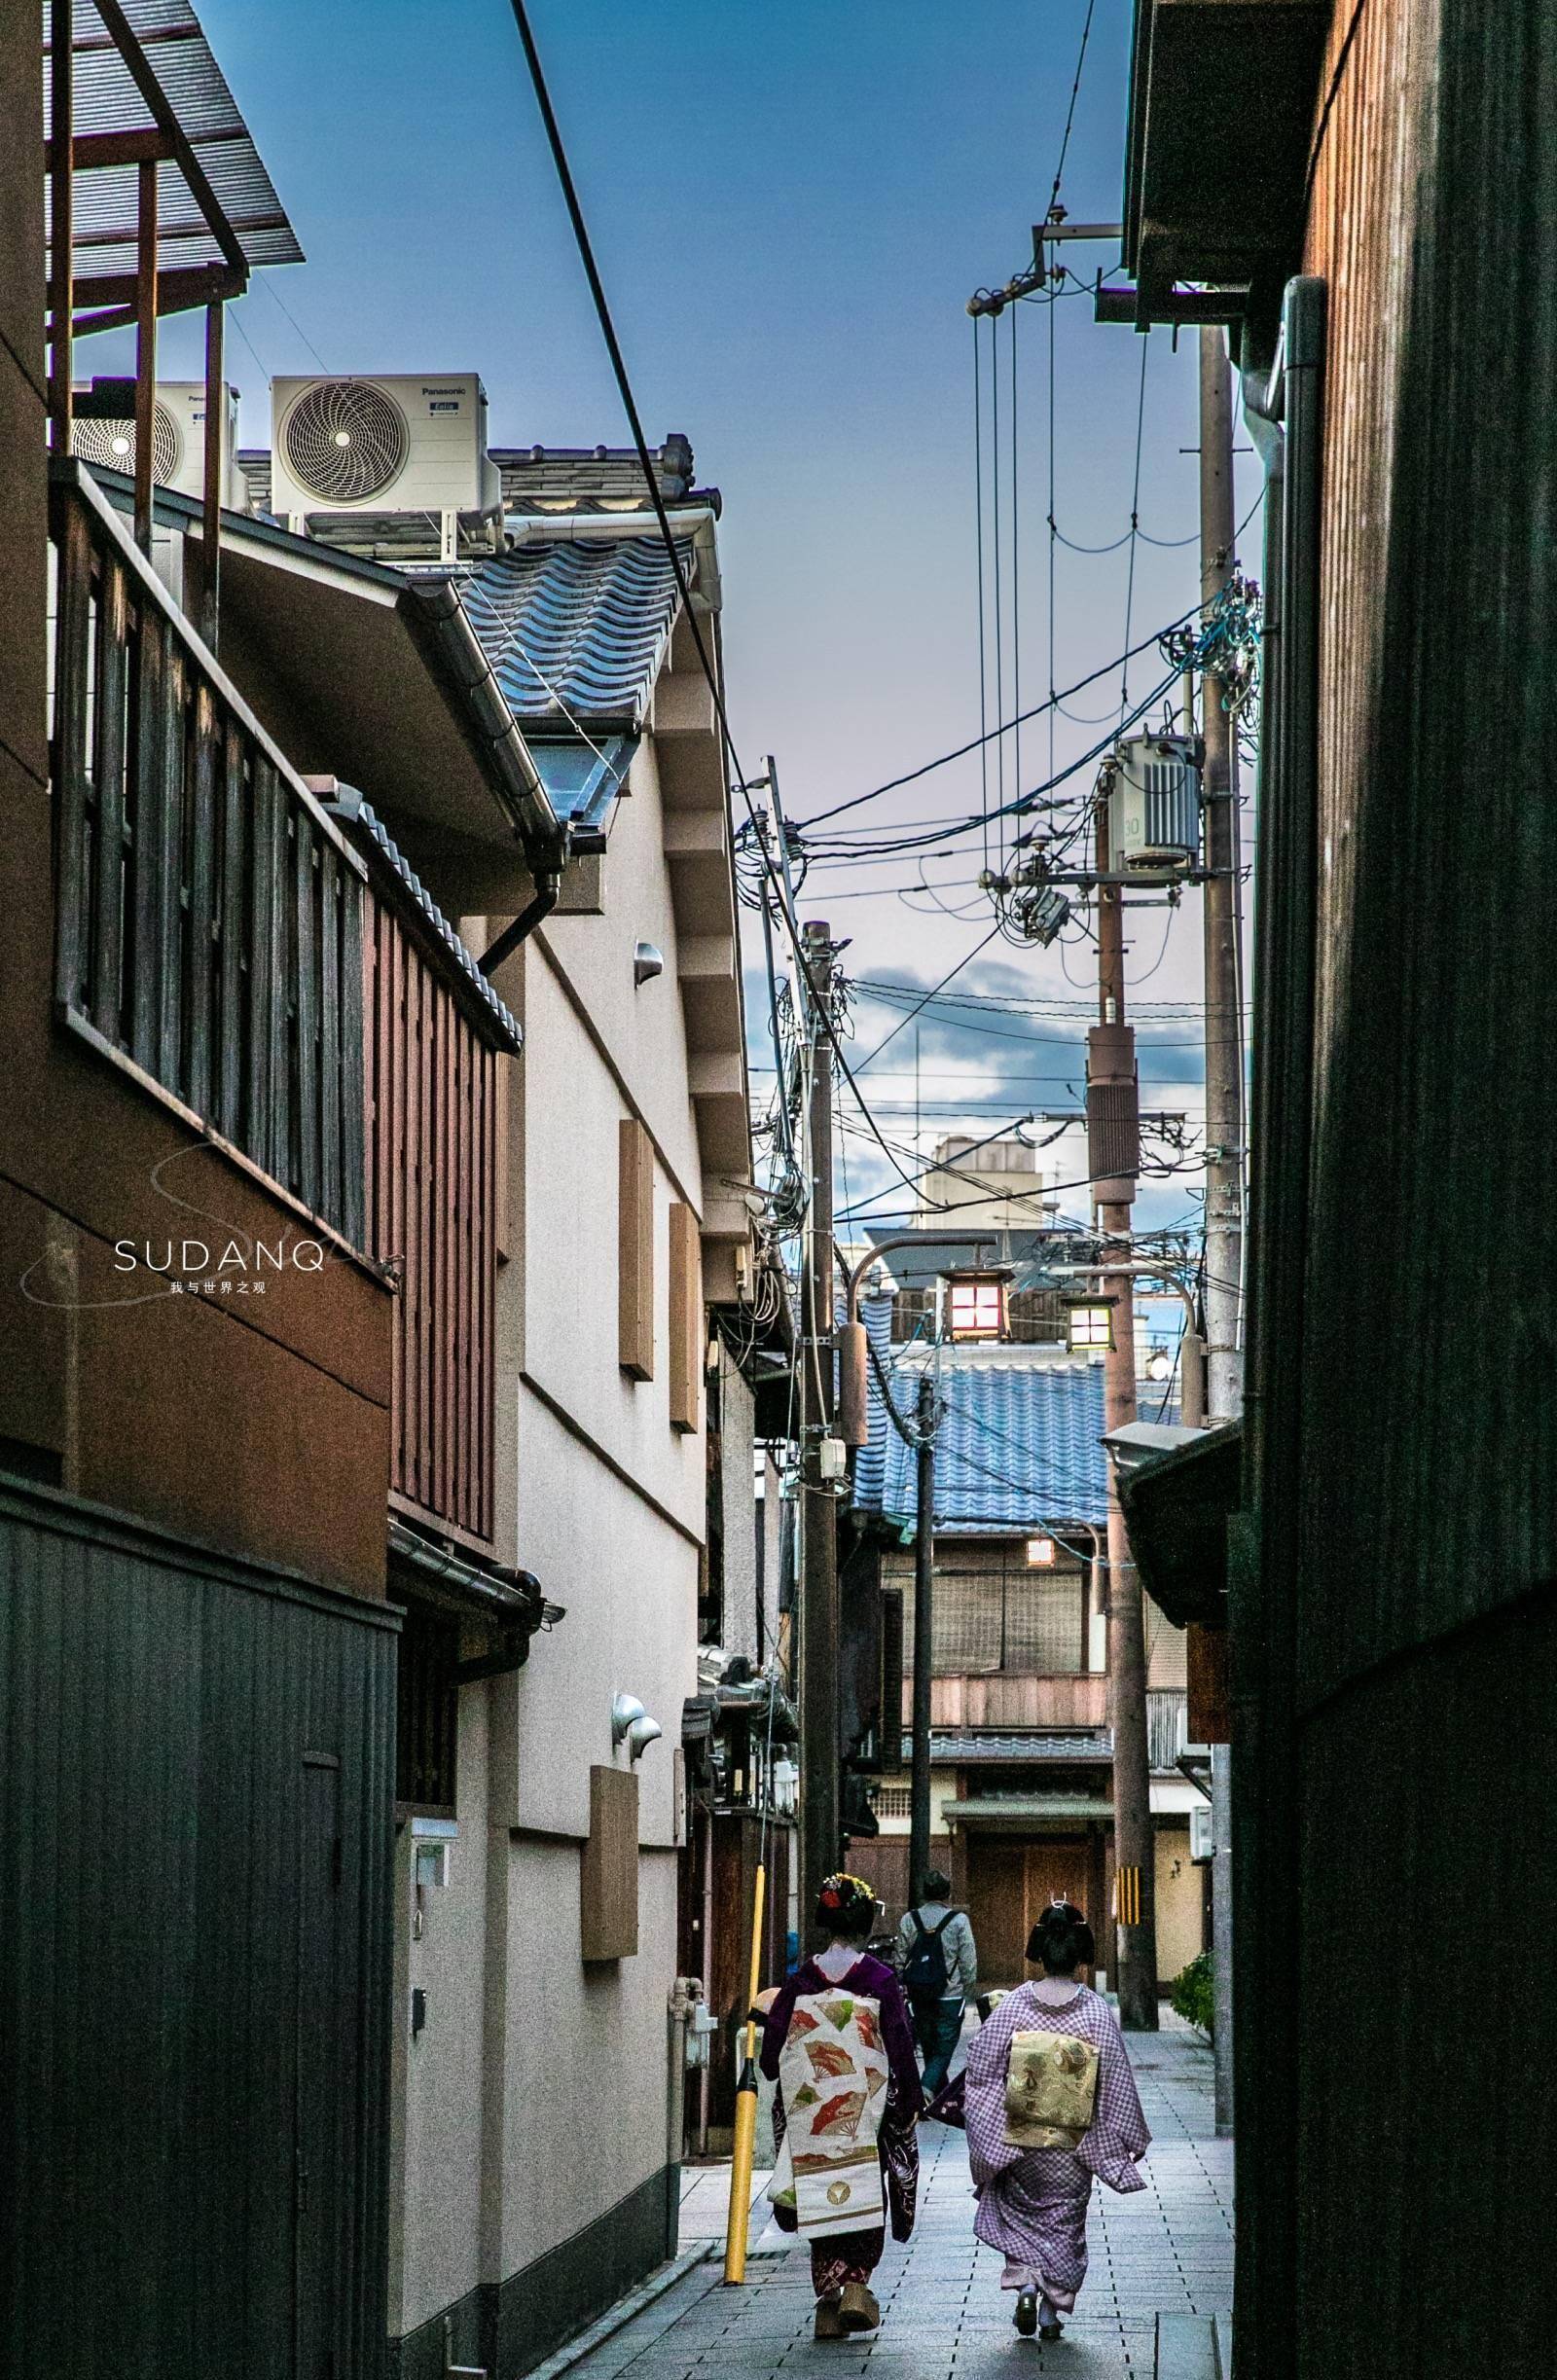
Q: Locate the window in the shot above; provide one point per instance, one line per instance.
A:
(636, 1251)
(977, 1308)
(1036, 1317)
(912, 1316)
(995, 1617)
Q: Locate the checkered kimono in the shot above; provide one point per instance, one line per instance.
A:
(1032, 2203)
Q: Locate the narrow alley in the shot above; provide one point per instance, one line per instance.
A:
(1168, 2250)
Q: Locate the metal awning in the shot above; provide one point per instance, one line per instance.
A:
(1176, 1507)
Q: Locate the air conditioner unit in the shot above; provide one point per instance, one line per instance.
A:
(1202, 1832)
(1154, 807)
(400, 461)
(178, 441)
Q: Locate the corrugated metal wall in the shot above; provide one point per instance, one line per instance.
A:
(1416, 1735)
(197, 1775)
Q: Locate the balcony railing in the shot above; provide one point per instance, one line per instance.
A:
(210, 916)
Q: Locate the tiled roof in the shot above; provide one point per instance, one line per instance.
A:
(1084, 1744)
(589, 477)
(1016, 1445)
(368, 830)
(576, 626)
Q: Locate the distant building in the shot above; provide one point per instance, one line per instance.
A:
(1021, 1749)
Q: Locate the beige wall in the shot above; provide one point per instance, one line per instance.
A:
(436, 2169)
(1180, 1903)
(605, 1502)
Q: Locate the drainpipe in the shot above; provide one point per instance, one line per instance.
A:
(548, 884)
(446, 624)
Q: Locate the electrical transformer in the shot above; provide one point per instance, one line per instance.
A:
(1154, 807)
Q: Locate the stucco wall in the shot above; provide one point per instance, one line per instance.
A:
(435, 2250)
(605, 1502)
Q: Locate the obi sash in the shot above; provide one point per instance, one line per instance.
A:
(1051, 2088)
(833, 2073)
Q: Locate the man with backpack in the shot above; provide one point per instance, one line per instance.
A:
(939, 1967)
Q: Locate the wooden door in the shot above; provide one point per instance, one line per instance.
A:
(1055, 1869)
(996, 1908)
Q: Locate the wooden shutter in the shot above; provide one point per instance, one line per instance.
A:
(686, 1317)
(635, 1252)
(608, 1881)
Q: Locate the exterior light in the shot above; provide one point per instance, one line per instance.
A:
(1091, 1326)
(648, 962)
(1159, 1364)
(785, 1784)
(1040, 1553)
(977, 1308)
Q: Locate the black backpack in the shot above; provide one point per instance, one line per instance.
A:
(924, 1975)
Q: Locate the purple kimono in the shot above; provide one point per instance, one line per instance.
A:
(1033, 2202)
(853, 2256)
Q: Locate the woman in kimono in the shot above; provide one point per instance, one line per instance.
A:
(1033, 2201)
(841, 2023)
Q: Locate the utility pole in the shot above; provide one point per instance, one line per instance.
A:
(1114, 1146)
(1225, 1096)
(818, 1572)
(919, 1827)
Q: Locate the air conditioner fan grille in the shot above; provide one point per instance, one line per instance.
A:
(112, 443)
(344, 440)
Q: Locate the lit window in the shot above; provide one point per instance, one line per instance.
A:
(1091, 1326)
(1040, 1553)
(978, 1309)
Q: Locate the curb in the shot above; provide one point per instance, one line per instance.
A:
(626, 2310)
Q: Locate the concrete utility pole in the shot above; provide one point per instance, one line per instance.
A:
(1224, 1095)
(818, 1572)
(1113, 1144)
(919, 1827)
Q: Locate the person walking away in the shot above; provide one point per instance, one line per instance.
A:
(839, 2046)
(940, 1968)
(1051, 2106)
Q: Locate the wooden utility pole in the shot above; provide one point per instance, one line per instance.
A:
(820, 1832)
(918, 1804)
(1113, 1145)
(1225, 1096)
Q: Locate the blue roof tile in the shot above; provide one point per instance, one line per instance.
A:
(576, 627)
(1018, 1445)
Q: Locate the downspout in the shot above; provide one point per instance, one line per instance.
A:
(548, 884)
(543, 835)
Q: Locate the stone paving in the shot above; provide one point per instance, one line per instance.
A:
(1169, 2247)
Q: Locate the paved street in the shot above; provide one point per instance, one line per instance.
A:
(1169, 2248)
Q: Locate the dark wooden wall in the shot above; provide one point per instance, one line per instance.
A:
(1397, 1756)
(196, 1997)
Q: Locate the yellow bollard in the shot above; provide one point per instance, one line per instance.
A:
(740, 2217)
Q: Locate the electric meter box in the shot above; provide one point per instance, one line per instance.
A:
(1154, 808)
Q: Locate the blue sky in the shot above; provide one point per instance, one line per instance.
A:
(790, 206)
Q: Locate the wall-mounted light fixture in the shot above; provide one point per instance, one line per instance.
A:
(631, 1726)
(1041, 1553)
(647, 962)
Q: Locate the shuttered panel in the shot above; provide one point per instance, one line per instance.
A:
(636, 1251)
